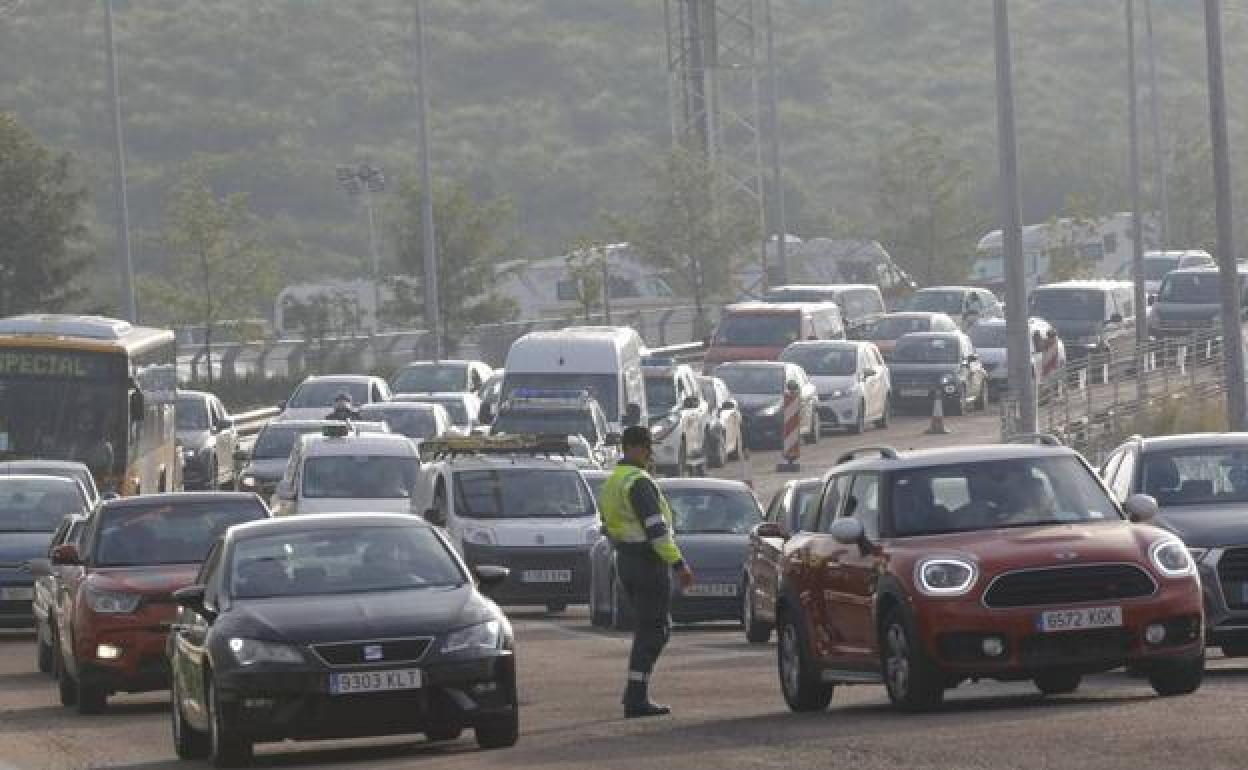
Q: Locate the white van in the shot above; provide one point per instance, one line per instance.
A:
(345, 471)
(603, 360)
(514, 501)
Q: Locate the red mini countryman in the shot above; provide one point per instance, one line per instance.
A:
(926, 569)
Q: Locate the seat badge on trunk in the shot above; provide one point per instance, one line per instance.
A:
(372, 652)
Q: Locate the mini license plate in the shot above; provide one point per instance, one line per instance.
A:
(1077, 620)
(712, 589)
(546, 576)
(351, 682)
(914, 392)
(17, 594)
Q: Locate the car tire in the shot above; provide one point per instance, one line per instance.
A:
(737, 448)
(716, 454)
(800, 683)
(1235, 649)
(226, 747)
(444, 733)
(1058, 682)
(214, 477)
(956, 406)
(90, 699)
(911, 679)
(188, 742)
(812, 436)
(621, 613)
(756, 632)
(981, 402)
(887, 416)
(860, 423)
(1181, 677)
(597, 617)
(65, 686)
(499, 732)
(43, 651)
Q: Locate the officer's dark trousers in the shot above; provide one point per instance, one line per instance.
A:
(647, 582)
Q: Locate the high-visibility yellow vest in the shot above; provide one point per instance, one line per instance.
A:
(621, 521)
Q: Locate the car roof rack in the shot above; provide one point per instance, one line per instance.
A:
(548, 444)
(886, 452)
(1043, 439)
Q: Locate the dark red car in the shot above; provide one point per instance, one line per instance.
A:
(793, 508)
(114, 614)
(929, 568)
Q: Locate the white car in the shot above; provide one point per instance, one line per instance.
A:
(852, 379)
(504, 502)
(343, 471)
(441, 377)
(679, 417)
(724, 432)
(314, 398)
(418, 421)
(991, 345)
(464, 409)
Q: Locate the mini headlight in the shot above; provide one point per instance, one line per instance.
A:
(1171, 559)
(945, 576)
(112, 602)
(248, 652)
(483, 636)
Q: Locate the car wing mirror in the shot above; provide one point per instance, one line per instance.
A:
(1142, 509)
(192, 598)
(436, 517)
(66, 555)
(489, 576)
(39, 567)
(849, 531)
(771, 529)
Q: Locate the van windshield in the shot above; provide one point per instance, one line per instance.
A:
(511, 493)
(947, 301)
(1069, 305)
(1190, 288)
(604, 388)
(757, 330)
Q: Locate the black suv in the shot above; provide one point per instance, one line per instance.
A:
(1200, 482)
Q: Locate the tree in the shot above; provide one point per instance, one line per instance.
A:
(587, 266)
(42, 238)
(925, 212)
(693, 225)
(472, 242)
(219, 265)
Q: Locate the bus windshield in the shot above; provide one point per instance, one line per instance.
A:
(64, 405)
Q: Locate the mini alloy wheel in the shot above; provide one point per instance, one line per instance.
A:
(800, 684)
(912, 682)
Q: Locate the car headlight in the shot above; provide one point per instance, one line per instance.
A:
(483, 636)
(112, 602)
(1198, 554)
(249, 652)
(663, 428)
(247, 482)
(478, 535)
(771, 411)
(945, 576)
(838, 394)
(947, 379)
(1171, 559)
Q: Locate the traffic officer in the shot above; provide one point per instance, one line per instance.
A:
(343, 409)
(638, 521)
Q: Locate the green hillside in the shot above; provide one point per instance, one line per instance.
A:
(560, 104)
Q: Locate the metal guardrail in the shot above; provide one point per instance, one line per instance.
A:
(1093, 404)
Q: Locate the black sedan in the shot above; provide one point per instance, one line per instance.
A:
(713, 518)
(338, 626)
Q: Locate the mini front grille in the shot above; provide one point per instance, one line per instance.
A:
(370, 652)
(1069, 585)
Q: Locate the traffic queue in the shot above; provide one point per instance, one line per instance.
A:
(352, 586)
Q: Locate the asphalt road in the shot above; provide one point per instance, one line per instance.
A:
(728, 714)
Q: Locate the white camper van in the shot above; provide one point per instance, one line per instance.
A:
(603, 360)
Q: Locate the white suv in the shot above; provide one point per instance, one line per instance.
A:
(345, 471)
(679, 416)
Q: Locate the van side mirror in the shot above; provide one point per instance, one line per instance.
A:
(436, 517)
(1116, 318)
(771, 530)
(192, 598)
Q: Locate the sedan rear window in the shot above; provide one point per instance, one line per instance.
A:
(1199, 476)
(926, 350)
(712, 511)
(37, 505)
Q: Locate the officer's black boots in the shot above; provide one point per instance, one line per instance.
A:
(637, 702)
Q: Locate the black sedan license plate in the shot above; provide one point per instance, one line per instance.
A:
(351, 682)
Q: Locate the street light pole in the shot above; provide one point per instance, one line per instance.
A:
(376, 258)
(777, 178)
(1022, 382)
(1137, 228)
(433, 312)
(125, 256)
(1228, 269)
(1159, 154)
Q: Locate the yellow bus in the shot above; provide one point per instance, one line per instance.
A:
(92, 390)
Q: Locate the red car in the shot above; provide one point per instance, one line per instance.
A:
(930, 568)
(114, 613)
